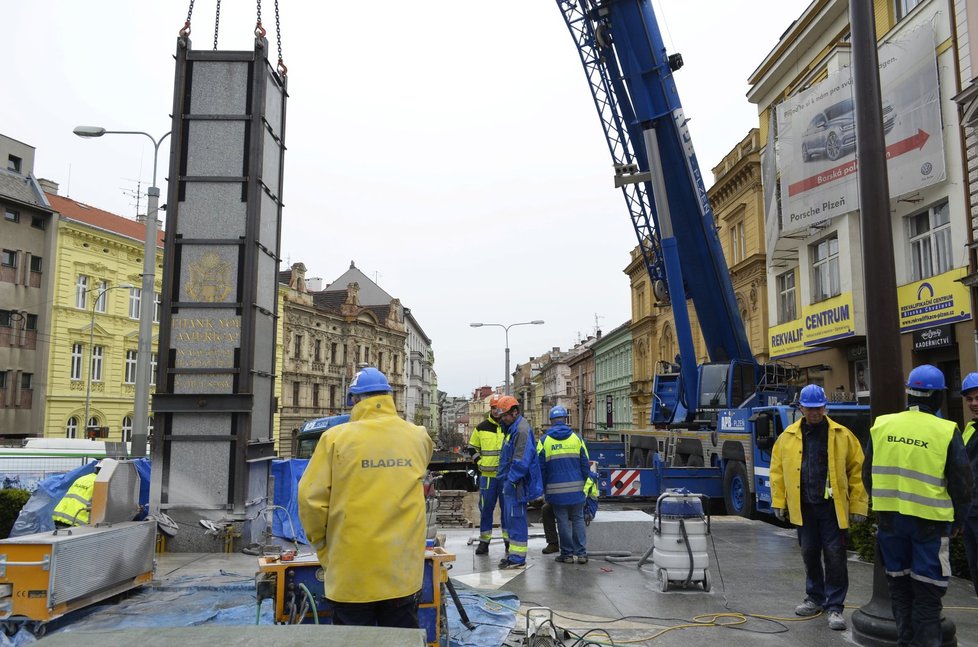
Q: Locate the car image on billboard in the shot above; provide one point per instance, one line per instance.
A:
(831, 133)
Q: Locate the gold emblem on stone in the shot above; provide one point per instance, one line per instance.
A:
(210, 279)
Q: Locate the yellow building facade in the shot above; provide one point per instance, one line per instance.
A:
(95, 304)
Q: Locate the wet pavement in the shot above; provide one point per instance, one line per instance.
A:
(757, 579)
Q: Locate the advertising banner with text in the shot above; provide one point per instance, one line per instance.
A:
(936, 300)
(816, 140)
(819, 323)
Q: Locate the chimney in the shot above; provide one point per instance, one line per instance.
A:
(48, 186)
(599, 333)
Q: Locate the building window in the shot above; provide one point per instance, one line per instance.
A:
(95, 371)
(297, 347)
(295, 394)
(31, 323)
(315, 395)
(318, 349)
(71, 429)
(81, 292)
(102, 298)
(14, 163)
(3, 380)
(825, 269)
(332, 396)
(738, 245)
(380, 361)
(127, 429)
(37, 222)
(26, 380)
(152, 369)
(135, 296)
(130, 367)
(93, 423)
(903, 7)
(149, 426)
(332, 353)
(76, 361)
(12, 216)
(6, 317)
(157, 299)
(786, 297)
(35, 263)
(8, 258)
(930, 242)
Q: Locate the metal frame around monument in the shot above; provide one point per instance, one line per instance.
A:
(239, 403)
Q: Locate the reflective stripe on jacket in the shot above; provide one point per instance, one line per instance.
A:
(564, 466)
(362, 505)
(487, 439)
(75, 507)
(909, 459)
(845, 473)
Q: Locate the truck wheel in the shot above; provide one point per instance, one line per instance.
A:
(637, 458)
(694, 460)
(736, 490)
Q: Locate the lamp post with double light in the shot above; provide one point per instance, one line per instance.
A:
(144, 349)
(91, 341)
(506, 327)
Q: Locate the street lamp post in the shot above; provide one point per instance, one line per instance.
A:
(141, 405)
(535, 322)
(91, 342)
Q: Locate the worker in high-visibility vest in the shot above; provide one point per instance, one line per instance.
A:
(485, 445)
(917, 472)
(75, 506)
(565, 468)
(969, 391)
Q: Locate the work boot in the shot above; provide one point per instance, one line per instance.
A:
(506, 545)
(565, 559)
(551, 548)
(582, 559)
(503, 563)
(512, 565)
(807, 609)
(482, 548)
(836, 621)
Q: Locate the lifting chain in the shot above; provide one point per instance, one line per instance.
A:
(217, 22)
(260, 32)
(186, 26)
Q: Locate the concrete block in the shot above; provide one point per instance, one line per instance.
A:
(613, 530)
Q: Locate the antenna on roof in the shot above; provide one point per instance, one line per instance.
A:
(597, 324)
(68, 189)
(137, 194)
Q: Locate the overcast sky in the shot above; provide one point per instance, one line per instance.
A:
(450, 149)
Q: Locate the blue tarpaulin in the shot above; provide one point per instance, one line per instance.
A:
(285, 519)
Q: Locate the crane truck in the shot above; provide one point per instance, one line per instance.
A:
(712, 425)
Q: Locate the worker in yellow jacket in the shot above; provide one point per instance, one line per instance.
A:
(816, 476)
(75, 507)
(362, 506)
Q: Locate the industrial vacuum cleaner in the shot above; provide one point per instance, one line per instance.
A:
(679, 530)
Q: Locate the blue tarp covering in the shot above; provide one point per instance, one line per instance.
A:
(35, 516)
(285, 522)
(492, 612)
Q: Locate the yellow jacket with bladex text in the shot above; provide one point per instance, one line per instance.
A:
(362, 505)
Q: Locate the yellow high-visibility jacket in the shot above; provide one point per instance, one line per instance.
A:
(75, 506)
(845, 473)
(361, 503)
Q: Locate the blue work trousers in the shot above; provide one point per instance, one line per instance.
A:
(516, 525)
(823, 550)
(971, 548)
(490, 492)
(571, 529)
(915, 556)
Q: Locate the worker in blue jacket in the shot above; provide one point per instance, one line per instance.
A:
(519, 472)
(969, 391)
(565, 468)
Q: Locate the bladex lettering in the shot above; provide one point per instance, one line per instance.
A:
(907, 441)
(385, 462)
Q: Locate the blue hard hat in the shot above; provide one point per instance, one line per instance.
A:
(926, 378)
(367, 380)
(970, 382)
(558, 412)
(812, 396)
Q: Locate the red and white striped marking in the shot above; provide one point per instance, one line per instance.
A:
(625, 483)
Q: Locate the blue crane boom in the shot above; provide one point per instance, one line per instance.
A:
(631, 80)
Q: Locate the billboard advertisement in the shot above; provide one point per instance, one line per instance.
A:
(817, 134)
